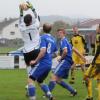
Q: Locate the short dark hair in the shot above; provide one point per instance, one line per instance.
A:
(47, 28)
(28, 19)
(99, 26)
(61, 29)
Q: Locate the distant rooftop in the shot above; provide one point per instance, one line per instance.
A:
(89, 23)
(6, 22)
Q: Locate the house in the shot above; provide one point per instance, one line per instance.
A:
(89, 23)
(11, 31)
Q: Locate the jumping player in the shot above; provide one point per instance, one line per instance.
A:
(44, 63)
(29, 28)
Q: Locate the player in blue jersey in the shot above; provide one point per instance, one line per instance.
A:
(43, 64)
(65, 62)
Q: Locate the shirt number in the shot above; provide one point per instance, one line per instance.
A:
(49, 48)
(30, 36)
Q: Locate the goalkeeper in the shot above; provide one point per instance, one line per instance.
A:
(29, 28)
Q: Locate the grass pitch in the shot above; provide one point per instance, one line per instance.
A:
(6, 50)
(12, 87)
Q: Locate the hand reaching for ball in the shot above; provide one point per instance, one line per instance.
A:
(24, 6)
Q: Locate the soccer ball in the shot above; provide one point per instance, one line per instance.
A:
(24, 6)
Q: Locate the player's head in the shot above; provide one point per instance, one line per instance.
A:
(98, 29)
(28, 19)
(75, 30)
(61, 33)
(47, 28)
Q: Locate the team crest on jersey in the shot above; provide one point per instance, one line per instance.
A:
(76, 42)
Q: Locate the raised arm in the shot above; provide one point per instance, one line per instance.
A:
(33, 10)
(37, 18)
(21, 22)
(80, 55)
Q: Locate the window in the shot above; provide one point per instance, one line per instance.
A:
(12, 33)
(16, 25)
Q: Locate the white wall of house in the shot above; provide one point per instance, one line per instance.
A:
(11, 31)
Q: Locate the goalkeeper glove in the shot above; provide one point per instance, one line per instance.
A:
(30, 6)
(21, 11)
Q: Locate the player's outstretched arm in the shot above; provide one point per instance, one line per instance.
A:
(78, 53)
(21, 16)
(33, 9)
(63, 55)
(20, 10)
(37, 18)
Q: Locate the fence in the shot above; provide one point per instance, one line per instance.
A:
(12, 62)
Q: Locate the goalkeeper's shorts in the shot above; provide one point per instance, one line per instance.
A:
(93, 71)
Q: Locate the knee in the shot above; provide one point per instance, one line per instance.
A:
(87, 81)
(55, 78)
(30, 81)
(85, 78)
(59, 80)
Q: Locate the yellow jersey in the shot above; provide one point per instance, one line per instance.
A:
(97, 48)
(78, 42)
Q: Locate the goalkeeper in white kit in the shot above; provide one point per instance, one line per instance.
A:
(29, 28)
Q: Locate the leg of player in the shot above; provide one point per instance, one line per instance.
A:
(72, 80)
(98, 85)
(59, 81)
(28, 68)
(83, 70)
(52, 82)
(67, 87)
(88, 83)
(46, 90)
(31, 90)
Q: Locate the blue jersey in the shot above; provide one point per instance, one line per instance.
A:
(48, 42)
(65, 44)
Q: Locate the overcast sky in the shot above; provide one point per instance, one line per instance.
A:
(70, 8)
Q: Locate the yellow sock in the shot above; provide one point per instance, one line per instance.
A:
(89, 88)
(83, 68)
(73, 74)
(98, 85)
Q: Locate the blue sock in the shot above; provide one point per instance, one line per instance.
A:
(31, 90)
(45, 88)
(52, 85)
(66, 86)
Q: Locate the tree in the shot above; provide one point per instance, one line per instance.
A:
(59, 24)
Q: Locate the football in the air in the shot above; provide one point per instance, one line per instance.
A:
(24, 6)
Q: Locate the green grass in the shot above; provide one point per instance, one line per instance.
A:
(6, 49)
(12, 87)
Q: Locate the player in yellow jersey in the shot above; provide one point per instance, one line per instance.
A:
(94, 69)
(79, 43)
